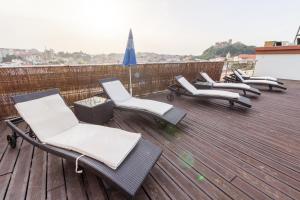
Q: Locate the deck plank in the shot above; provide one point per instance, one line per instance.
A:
(167, 184)
(184, 182)
(9, 159)
(154, 190)
(211, 188)
(55, 178)
(3, 141)
(94, 188)
(19, 180)
(250, 190)
(198, 168)
(37, 180)
(74, 182)
(4, 182)
(141, 195)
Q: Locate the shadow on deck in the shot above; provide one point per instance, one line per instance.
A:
(215, 153)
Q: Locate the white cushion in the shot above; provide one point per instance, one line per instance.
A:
(116, 91)
(155, 107)
(54, 123)
(108, 145)
(260, 82)
(207, 78)
(217, 93)
(47, 116)
(232, 85)
(208, 93)
(122, 98)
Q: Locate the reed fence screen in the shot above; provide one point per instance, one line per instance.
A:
(79, 82)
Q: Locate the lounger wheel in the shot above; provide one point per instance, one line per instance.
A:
(161, 124)
(270, 87)
(170, 97)
(231, 103)
(12, 141)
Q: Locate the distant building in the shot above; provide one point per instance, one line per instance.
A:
(276, 43)
(247, 56)
(278, 61)
(3, 52)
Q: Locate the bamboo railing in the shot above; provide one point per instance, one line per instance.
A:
(79, 82)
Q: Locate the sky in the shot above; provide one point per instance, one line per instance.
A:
(160, 26)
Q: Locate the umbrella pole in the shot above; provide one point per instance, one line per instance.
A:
(130, 80)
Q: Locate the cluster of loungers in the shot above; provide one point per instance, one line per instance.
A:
(122, 158)
(241, 77)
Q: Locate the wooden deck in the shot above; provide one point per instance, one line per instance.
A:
(215, 153)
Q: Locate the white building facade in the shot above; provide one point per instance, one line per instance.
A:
(280, 62)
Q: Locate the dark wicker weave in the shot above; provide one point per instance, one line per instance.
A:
(178, 90)
(197, 83)
(240, 79)
(128, 177)
(173, 116)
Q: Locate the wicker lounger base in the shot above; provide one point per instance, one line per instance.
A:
(178, 91)
(128, 177)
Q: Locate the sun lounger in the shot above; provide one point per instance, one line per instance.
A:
(270, 84)
(237, 86)
(121, 158)
(247, 77)
(163, 112)
(184, 87)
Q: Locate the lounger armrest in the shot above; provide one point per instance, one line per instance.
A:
(25, 135)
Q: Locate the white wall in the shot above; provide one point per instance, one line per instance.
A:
(285, 66)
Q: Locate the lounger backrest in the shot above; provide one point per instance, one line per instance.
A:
(186, 84)
(47, 116)
(242, 73)
(116, 91)
(206, 77)
(238, 76)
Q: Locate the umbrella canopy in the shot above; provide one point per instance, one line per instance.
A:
(129, 57)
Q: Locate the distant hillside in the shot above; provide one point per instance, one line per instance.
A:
(221, 49)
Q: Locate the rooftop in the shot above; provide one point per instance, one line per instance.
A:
(278, 50)
(217, 152)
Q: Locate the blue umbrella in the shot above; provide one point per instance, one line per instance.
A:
(129, 57)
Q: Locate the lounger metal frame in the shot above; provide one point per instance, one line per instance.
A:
(173, 116)
(178, 90)
(128, 177)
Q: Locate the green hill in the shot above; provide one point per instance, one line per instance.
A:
(221, 49)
